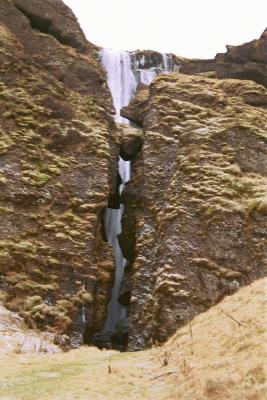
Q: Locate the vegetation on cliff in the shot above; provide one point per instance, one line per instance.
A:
(58, 154)
(196, 206)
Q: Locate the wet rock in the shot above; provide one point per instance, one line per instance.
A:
(126, 287)
(197, 200)
(149, 59)
(116, 340)
(120, 336)
(114, 200)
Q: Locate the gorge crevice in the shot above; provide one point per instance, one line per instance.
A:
(124, 72)
(194, 223)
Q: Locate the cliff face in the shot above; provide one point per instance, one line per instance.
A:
(247, 61)
(58, 163)
(196, 207)
(51, 37)
(195, 222)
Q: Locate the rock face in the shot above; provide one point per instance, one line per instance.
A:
(196, 66)
(172, 63)
(58, 167)
(16, 337)
(248, 61)
(196, 208)
(195, 222)
(136, 109)
(51, 37)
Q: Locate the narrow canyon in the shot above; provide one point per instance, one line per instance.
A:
(133, 190)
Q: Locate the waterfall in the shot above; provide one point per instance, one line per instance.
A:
(147, 76)
(122, 84)
(123, 78)
(116, 312)
(166, 62)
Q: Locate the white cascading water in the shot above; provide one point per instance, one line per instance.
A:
(166, 62)
(121, 80)
(147, 76)
(122, 83)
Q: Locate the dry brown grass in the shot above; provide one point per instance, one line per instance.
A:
(219, 356)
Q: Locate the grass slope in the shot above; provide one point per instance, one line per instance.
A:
(219, 356)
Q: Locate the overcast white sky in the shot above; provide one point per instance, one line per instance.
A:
(188, 28)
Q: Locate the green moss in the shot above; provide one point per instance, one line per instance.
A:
(52, 261)
(25, 246)
(14, 278)
(31, 286)
(6, 210)
(32, 301)
(35, 178)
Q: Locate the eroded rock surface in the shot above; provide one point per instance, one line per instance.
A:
(50, 35)
(247, 61)
(131, 142)
(196, 66)
(58, 167)
(135, 111)
(195, 221)
(17, 338)
(196, 208)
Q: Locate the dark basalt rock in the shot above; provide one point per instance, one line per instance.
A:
(135, 111)
(247, 61)
(116, 340)
(54, 18)
(196, 66)
(125, 289)
(130, 147)
(114, 200)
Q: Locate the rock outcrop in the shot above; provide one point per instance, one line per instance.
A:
(196, 66)
(196, 208)
(172, 63)
(58, 167)
(247, 61)
(50, 35)
(135, 111)
(17, 338)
